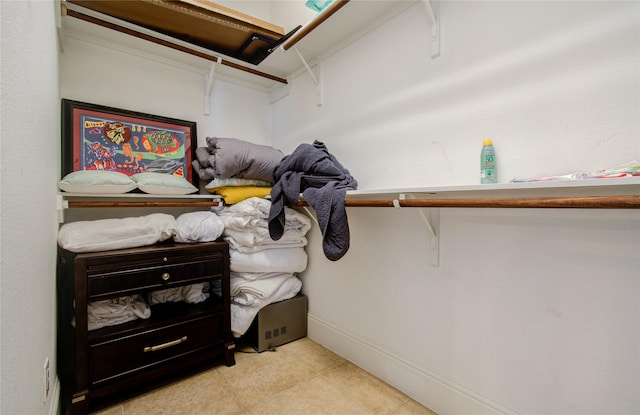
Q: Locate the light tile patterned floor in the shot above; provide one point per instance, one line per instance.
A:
(300, 377)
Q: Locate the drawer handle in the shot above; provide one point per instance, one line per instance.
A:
(165, 345)
(166, 276)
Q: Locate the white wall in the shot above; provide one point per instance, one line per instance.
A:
(543, 321)
(30, 154)
(107, 74)
(529, 311)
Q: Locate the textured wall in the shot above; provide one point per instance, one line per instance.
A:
(30, 166)
(530, 311)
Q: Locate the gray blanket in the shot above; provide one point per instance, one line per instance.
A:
(231, 157)
(323, 181)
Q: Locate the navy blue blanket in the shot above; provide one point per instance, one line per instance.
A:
(323, 182)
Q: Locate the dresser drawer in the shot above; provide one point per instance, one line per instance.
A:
(112, 283)
(127, 355)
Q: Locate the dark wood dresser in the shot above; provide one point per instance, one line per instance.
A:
(98, 364)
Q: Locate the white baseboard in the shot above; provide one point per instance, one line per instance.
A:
(430, 389)
(54, 408)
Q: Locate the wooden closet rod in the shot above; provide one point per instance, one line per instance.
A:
(168, 44)
(568, 202)
(97, 204)
(308, 28)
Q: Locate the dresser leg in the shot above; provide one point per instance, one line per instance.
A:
(80, 403)
(229, 358)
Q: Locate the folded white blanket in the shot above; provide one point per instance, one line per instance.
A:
(258, 239)
(246, 226)
(242, 315)
(270, 260)
(116, 311)
(259, 288)
(252, 276)
(192, 294)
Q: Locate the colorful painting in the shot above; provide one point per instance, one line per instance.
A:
(96, 137)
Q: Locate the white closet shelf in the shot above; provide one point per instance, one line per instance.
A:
(588, 187)
(618, 193)
(317, 37)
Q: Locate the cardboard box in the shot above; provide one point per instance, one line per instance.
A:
(278, 323)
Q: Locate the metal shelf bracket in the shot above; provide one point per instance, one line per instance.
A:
(209, 80)
(433, 11)
(431, 218)
(317, 81)
(61, 205)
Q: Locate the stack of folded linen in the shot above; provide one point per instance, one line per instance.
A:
(263, 271)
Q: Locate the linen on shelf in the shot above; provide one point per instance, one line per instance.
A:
(262, 270)
(246, 227)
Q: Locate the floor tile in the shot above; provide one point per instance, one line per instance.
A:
(259, 375)
(313, 354)
(412, 407)
(112, 410)
(301, 377)
(378, 396)
(315, 396)
(202, 394)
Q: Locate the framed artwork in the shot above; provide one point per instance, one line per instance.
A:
(96, 137)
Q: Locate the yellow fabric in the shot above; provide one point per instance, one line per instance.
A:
(235, 194)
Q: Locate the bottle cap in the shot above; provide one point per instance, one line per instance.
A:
(487, 142)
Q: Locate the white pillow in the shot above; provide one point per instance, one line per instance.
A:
(108, 234)
(96, 181)
(163, 184)
(198, 227)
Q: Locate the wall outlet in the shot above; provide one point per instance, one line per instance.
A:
(46, 378)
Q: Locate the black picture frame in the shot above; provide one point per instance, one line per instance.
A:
(99, 137)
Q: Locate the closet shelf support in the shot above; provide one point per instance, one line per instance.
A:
(433, 11)
(317, 81)
(61, 205)
(209, 80)
(431, 218)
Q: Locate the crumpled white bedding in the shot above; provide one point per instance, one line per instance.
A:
(192, 294)
(198, 227)
(116, 311)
